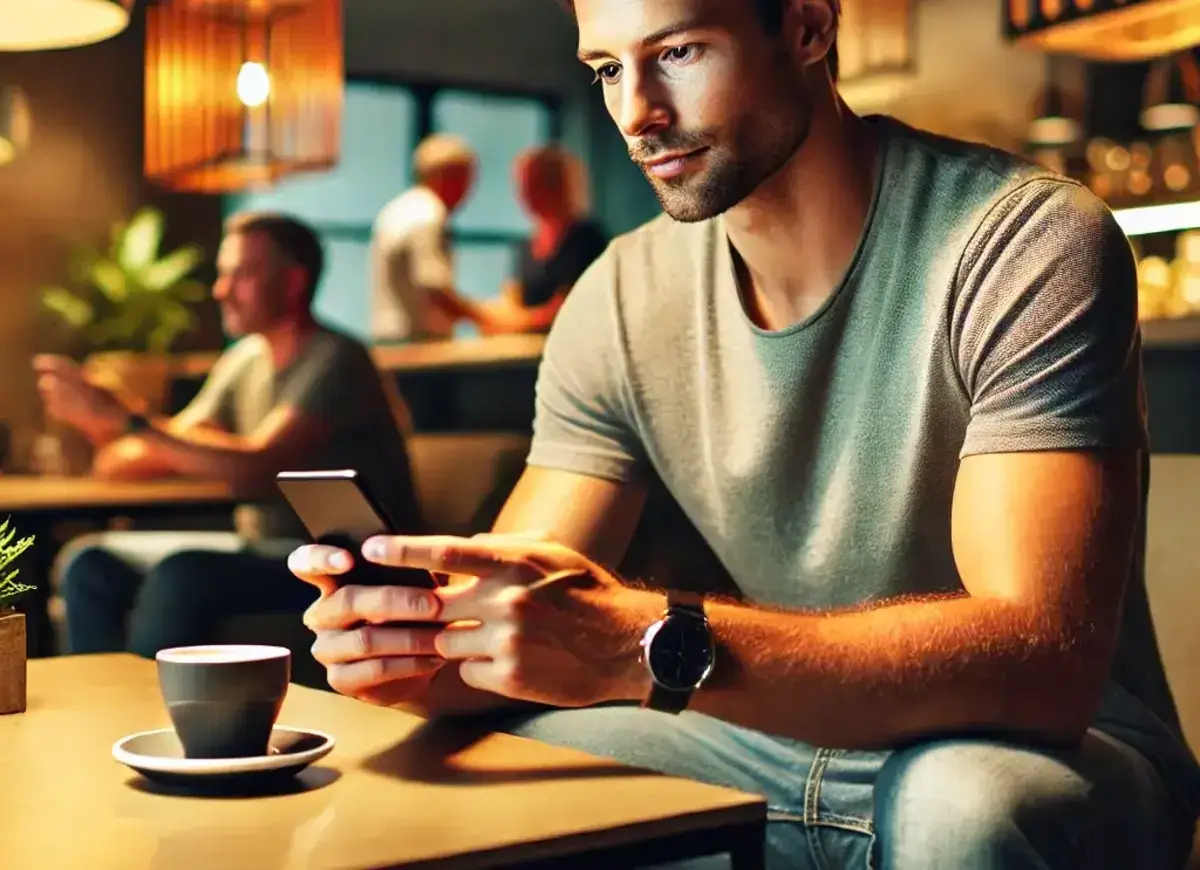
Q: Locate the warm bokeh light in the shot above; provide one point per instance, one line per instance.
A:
(15, 123)
(35, 25)
(253, 84)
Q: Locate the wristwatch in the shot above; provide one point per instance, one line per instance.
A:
(679, 653)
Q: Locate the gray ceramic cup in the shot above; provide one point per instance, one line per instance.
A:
(224, 700)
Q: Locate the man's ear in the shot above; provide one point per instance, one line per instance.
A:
(811, 27)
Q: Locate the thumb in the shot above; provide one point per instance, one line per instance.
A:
(320, 566)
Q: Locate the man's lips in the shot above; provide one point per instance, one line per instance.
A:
(670, 165)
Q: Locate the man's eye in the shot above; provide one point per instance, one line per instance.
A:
(680, 53)
(608, 74)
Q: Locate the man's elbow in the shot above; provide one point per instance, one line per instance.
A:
(1056, 702)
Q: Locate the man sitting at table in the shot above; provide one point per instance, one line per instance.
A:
(290, 393)
(895, 381)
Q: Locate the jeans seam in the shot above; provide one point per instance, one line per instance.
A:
(812, 812)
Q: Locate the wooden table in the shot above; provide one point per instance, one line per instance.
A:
(36, 503)
(396, 791)
(25, 493)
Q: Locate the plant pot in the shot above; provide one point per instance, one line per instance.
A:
(145, 376)
(12, 662)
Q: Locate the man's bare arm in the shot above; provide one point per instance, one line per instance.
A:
(250, 462)
(1043, 543)
(596, 517)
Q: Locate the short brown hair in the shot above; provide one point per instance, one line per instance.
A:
(770, 13)
(293, 238)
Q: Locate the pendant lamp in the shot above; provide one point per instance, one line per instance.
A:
(36, 25)
(241, 93)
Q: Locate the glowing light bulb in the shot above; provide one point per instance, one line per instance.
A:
(253, 84)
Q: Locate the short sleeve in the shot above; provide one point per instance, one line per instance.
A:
(213, 404)
(330, 381)
(584, 420)
(1044, 328)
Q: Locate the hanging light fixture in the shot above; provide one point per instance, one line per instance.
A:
(1054, 124)
(1108, 30)
(34, 25)
(1170, 94)
(16, 123)
(240, 93)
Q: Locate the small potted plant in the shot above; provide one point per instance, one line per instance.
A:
(12, 624)
(130, 304)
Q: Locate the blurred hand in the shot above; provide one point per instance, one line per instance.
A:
(535, 621)
(69, 398)
(129, 457)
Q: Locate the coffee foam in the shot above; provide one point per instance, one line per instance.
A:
(221, 654)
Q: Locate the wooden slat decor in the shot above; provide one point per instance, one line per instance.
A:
(1106, 30)
(200, 135)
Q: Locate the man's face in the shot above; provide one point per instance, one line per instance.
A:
(709, 104)
(252, 284)
(452, 184)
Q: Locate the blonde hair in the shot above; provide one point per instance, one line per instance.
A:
(572, 174)
(442, 151)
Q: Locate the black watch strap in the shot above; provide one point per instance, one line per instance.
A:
(689, 605)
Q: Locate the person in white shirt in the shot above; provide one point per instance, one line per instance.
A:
(410, 255)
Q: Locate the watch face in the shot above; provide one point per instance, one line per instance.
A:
(680, 652)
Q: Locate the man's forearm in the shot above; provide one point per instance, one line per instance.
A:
(208, 452)
(879, 677)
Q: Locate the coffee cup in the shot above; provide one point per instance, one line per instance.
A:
(224, 700)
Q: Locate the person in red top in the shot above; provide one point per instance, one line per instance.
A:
(552, 187)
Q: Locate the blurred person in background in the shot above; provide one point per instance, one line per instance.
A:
(411, 263)
(288, 394)
(552, 187)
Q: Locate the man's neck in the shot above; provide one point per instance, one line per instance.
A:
(288, 338)
(794, 237)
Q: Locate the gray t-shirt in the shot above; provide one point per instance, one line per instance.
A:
(989, 307)
(334, 379)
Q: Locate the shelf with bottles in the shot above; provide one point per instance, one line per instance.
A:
(1169, 289)
(1152, 185)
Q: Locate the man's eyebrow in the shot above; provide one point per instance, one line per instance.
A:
(657, 36)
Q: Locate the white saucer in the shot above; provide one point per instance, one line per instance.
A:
(158, 755)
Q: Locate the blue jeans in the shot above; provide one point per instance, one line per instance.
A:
(958, 804)
(146, 591)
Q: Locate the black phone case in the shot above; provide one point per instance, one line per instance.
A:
(339, 510)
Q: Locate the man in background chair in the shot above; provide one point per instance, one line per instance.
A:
(290, 393)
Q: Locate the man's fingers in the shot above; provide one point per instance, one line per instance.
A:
(367, 678)
(446, 554)
(319, 565)
(373, 641)
(351, 605)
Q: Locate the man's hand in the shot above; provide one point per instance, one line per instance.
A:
(534, 621)
(129, 458)
(70, 398)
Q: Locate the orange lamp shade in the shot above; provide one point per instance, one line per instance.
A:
(240, 93)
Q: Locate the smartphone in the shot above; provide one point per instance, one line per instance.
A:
(338, 509)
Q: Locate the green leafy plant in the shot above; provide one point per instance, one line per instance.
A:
(130, 298)
(10, 549)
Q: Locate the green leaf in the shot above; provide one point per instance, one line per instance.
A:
(110, 280)
(171, 269)
(139, 244)
(75, 311)
(192, 291)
